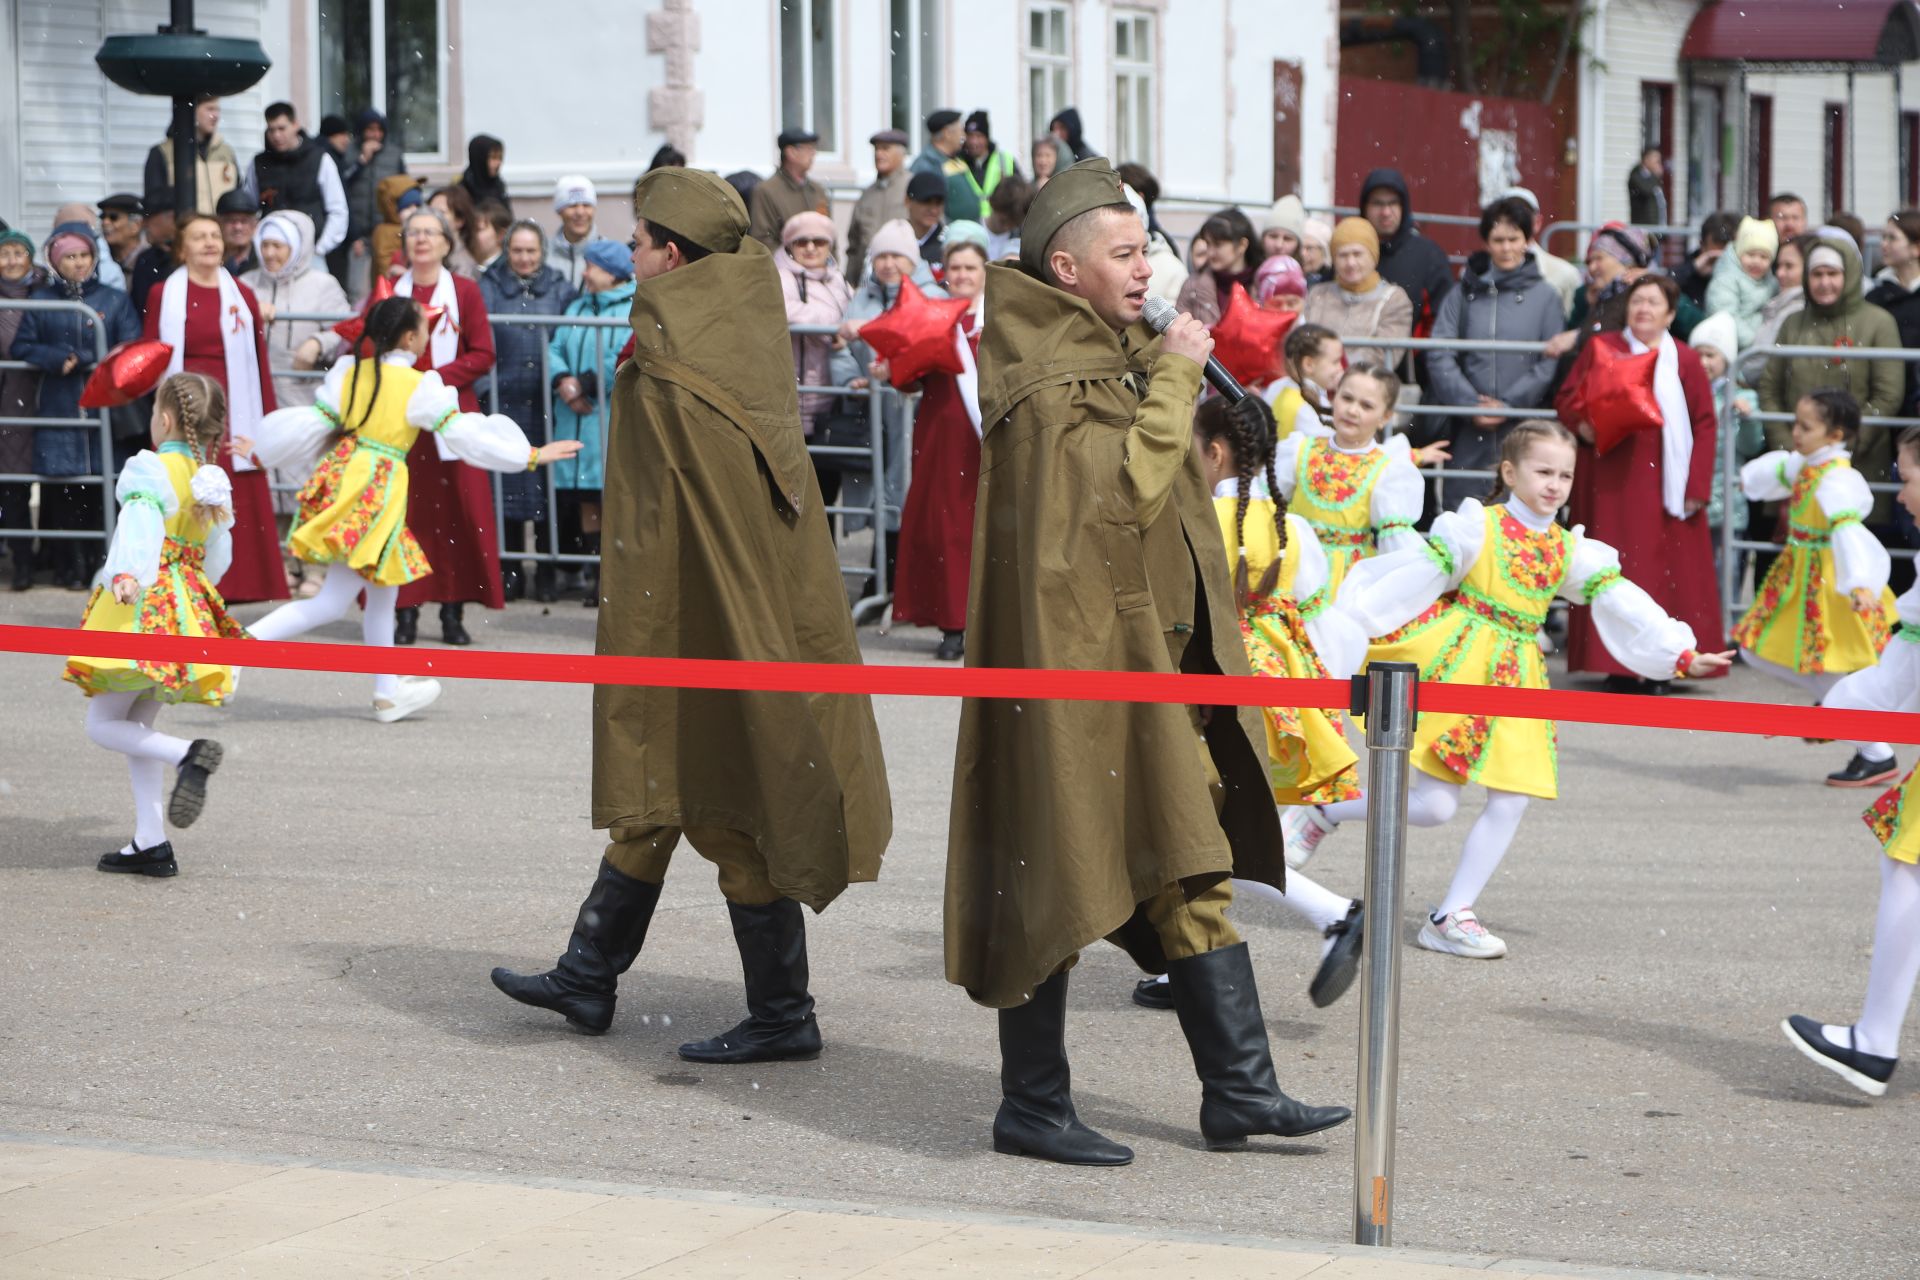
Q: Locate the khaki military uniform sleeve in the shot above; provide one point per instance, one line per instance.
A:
(1161, 435)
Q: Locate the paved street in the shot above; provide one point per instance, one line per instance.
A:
(313, 987)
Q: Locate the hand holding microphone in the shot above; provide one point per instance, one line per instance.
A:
(1182, 335)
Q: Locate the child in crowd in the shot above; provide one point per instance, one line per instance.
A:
(1290, 630)
(1743, 282)
(1467, 606)
(1714, 342)
(581, 362)
(1313, 357)
(353, 440)
(1357, 494)
(170, 549)
(1824, 609)
(1865, 1054)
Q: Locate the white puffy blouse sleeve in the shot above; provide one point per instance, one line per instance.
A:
(1383, 593)
(293, 439)
(1858, 558)
(1637, 632)
(1399, 497)
(146, 498)
(1336, 637)
(212, 488)
(1893, 683)
(488, 440)
(1770, 477)
(1286, 464)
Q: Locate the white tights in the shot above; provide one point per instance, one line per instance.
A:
(1819, 684)
(1895, 965)
(330, 604)
(1317, 905)
(123, 722)
(1432, 803)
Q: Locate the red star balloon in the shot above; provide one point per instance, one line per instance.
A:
(1620, 399)
(130, 371)
(1248, 339)
(915, 335)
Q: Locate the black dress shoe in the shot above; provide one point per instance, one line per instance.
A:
(1153, 993)
(157, 861)
(190, 784)
(1866, 1072)
(406, 625)
(1862, 772)
(1342, 962)
(452, 630)
(1624, 684)
(953, 647)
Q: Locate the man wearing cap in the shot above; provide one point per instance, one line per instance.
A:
(1096, 547)
(575, 200)
(789, 190)
(239, 219)
(882, 202)
(944, 140)
(927, 214)
(716, 546)
(982, 167)
(121, 217)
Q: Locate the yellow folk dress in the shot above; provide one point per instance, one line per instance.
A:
(1357, 501)
(177, 559)
(1467, 607)
(1803, 619)
(1289, 632)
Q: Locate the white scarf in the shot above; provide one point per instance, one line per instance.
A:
(968, 379)
(237, 340)
(443, 343)
(1676, 427)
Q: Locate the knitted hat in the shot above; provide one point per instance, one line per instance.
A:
(1279, 277)
(977, 123)
(1288, 215)
(1091, 184)
(1625, 245)
(13, 236)
(965, 231)
(574, 189)
(67, 241)
(611, 257)
(703, 208)
(807, 225)
(1317, 230)
(1757, 234)
(1356, 231)
(894, 237)
(1718, 333)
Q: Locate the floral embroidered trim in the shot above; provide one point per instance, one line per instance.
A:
(1839, 518)
(1314, 605)
(1684, 665)
(330, 413)
(380, 450)
(1800, 535)
(533, 464)
(1780, 472)
(1440, 554)
(1388, 526)
(1533, 563)
(147, 496)
(1519, 625)
(1908, 633)
(440, 423)
(1340, 535)
(1605, 580)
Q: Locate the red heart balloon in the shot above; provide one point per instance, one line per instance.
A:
(1248, 339)
(1619, 395)
(915, 335)
(353, 326)
(130, 371)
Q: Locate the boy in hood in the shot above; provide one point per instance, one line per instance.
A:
(1067, 128)
(485, 154)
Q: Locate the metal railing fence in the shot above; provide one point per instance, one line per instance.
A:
(99, 420)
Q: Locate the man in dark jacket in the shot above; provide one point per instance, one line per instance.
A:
(297, 173)
(1716, 233)
(485, 155)
(1407, 258)
(983, 167)
(790, 189)
(1647, 191)
(1067, 127)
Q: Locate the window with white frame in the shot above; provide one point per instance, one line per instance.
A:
(806, 69)
(915, 51)
(388, 55)
(1049, 64)
(1133, 87)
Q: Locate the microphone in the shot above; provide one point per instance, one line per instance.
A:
(1159, 313)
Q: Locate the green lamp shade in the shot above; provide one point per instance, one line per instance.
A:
(182, 66)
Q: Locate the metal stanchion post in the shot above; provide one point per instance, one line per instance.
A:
(1392, 710)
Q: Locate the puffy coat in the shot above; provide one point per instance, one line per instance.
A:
(19, 388)
(46, 339)
(364, 181)
(519, 359)
(1734, 291)
(296, 288)
(587, 352)
(1903, 304)
(813, 297)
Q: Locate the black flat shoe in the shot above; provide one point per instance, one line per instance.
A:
(1339, 966)
(1623, 684)
(953, 647)
(1862, 772)
(406, 625)
(452, 629)
(157, 862)
(1153, 993)
(1866, 1072)
(190, 784)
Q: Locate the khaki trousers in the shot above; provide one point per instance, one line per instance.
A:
(643, 852)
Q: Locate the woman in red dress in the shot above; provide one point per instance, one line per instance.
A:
(212, 322)
(1648, 495)
(449, 504)
(936, 522)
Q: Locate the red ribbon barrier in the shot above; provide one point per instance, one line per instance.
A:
(1685, 713)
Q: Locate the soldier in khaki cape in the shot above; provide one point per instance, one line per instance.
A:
(716, 546)
(1096, 547)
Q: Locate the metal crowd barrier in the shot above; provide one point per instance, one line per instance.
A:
(612, 330)
(99, 420)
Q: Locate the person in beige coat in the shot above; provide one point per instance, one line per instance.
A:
(1359, 302)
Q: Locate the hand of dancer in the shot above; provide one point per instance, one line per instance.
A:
(1865, 602)
(557, 450)
(242, 446)
(1438, 451)
(126, 588)
(1709, 664)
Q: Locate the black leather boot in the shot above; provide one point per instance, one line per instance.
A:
(1036, 1116)
(773, 957)
(190, 782)
(452, 631)
(607, 938)
(406, 625)
(1219, 1011)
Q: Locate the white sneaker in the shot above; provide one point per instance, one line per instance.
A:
(1303, 826)
(1460, 933)
(414, 694)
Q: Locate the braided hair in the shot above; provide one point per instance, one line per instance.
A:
(388, 322)
(1514, 449)
(198, 406)
(1304, 342)
(1247, 430)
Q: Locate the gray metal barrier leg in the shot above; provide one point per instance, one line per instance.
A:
(1392, 711)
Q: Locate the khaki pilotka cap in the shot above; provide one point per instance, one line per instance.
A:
(698, 205)
(1091, 184)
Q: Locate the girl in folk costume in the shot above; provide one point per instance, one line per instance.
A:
(1314, 357)
(1290, 631)
(212, 322)
(358, 440)
(1865, 1054)
(1824, 609)
(450, 504)
(170, 549)
(936, 524)
(1357, 494)
(1648, 495)
(1467, 606)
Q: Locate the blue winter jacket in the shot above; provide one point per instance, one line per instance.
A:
(589, 353)
(45, 340)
